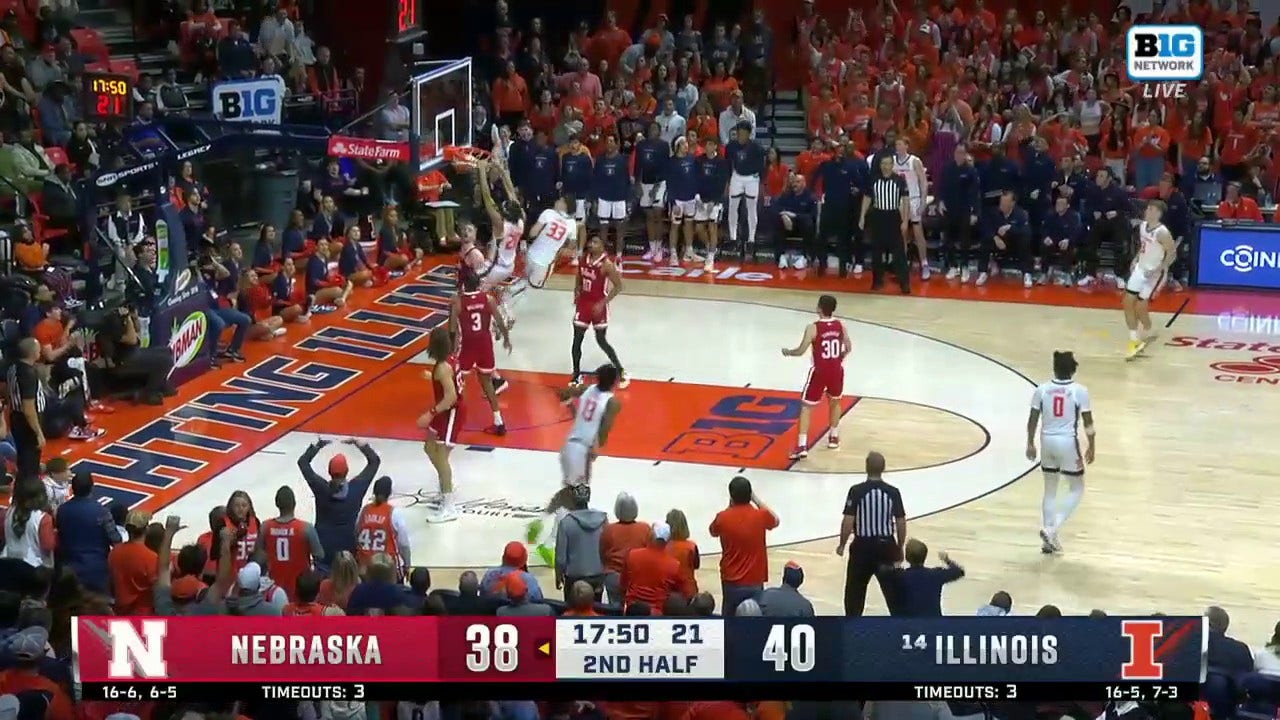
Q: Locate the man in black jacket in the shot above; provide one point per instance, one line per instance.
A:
(1108, 206)
(1061, 232)
(797, 216)
(960, 191)
(1006, 231)
(338, 499)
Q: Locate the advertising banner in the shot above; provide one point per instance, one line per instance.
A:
(260, 100)
(345, 146)
(1245, 255)
(180, 320)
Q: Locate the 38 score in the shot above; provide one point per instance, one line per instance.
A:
(493, 648)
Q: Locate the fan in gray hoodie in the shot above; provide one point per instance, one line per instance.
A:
(578, 544)
(252, 588)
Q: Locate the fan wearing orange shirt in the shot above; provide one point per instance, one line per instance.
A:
(1194, 142)
(825, 104)
(1151, 144)
(380, 528)
(1236, 144)
(289, 544)
(1235, 206)
(741, 528)
(807, 161)
(305, 603)
(1228, 97)
(775, 174)
(684, 550)
(134, 568)
(651, 574)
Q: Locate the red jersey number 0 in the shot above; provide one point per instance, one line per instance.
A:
(1059, 405)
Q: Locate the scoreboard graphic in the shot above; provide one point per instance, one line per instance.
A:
(389, 658)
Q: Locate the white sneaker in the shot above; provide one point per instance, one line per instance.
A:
(925, 271)
(1026, 280)
(857, 270)
(709, 265)
(964, 274)
(674, 260)
(1119, 283)
(783, 262)
(446, 513)
(801, 263)
(953, 273)
(647, 256)
(690, 256)
(623, 381)
(982, 279)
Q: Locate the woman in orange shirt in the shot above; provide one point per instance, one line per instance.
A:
(824, 104)
(343, 578)
(255, 300)
(881, 123)
(543, 116)
(1238, 142)
(1266, 111)
(719, 86)
(917, 126)
(684, 550)
(1151, 143)
(775, 174)
(510, 96)
(1022, 128)
(1194, 142)
(618, 539)
(1115, 145)
(704, 122)
(831, 132)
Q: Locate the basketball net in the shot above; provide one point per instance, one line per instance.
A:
(465, 159)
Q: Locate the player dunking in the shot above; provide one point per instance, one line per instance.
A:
(1156, 252)
(555, 227)
(599, 282)
(508, 236)
(443, 421)
(830, 345)
(473, 317)
(1058, 406)
(594, 415)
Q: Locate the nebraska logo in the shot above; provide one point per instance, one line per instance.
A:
(368, 149)
(1142, 664)
(1262, 369)
(134, 656)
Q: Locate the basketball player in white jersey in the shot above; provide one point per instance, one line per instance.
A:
(596, 410)
(911, 169)
(508, 236)
(1156, 252)
(554, 229)
(1059, 407)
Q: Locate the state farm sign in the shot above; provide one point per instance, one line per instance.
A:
(368, 149)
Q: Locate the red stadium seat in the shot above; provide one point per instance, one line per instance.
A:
(90, 42)
(40, 222)
(57, 155)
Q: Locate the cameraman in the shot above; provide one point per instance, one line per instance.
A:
(144, 368)
(216, 273)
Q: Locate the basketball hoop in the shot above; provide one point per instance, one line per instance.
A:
(465, 159)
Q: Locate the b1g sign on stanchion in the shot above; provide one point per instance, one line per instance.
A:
(260, 100)
(1236, 256)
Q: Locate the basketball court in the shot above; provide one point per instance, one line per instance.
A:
(1176, 514)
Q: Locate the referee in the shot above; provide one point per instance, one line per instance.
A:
(875, 517)
(886, 215)
(26, 403)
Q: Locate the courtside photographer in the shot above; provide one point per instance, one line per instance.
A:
(142, 372)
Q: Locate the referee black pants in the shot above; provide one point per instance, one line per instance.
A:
(888, 247)
(26, 442)
(868, 558)
(839, 227)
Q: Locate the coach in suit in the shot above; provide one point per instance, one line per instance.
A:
(1061, 232)
(960, 193)
(1006, 231)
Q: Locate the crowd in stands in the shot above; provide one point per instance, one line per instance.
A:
(1037, 101)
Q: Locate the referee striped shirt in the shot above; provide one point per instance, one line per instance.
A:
(874, 505)
(887, 193)
(24, 384)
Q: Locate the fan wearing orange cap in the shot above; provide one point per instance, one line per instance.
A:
(339, 497)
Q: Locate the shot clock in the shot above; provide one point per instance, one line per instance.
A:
(108, 96)
(406, 19)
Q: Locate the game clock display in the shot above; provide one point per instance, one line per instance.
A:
(406, 17)
(108, 96)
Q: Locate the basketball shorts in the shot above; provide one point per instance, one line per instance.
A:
(1144, 283)
(1061, 454)
(823, 383)
(446, 425)
(584, 314)
(580, 210)
(537, 273)
(915, 209)
(496, 277)
(475, 353)
(544, 251)
(682, 210)
(575, 463)
(744, 185)
(611, 210)
(708, 212)
(653, 195)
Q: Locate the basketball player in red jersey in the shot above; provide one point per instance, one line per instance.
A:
(472, 262)
(830, 344)
(473, 317)
(598, 283)
(381, 529)
(288, 543)
(443, 421)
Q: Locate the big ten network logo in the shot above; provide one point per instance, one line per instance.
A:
(248, 102)
(738, 427)
(1263, 368)
(1164, 57)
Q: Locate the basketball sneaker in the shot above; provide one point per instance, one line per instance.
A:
(446, 513)
(833, 442)
(799, 453)
(1133, 349)
(496, 429)
(953, 273)
(623, 381)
